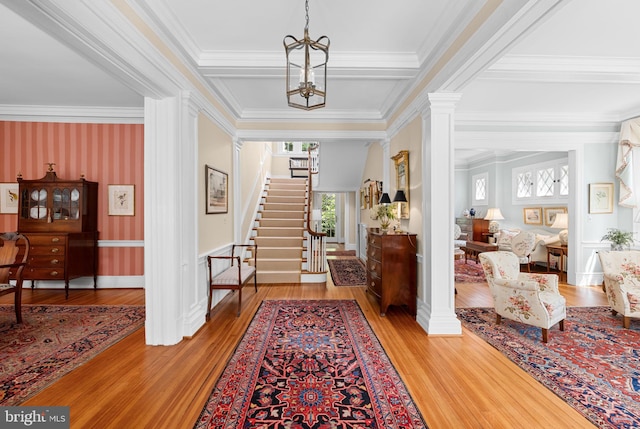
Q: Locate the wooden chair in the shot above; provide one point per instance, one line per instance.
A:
(235, 276)
(14, 254)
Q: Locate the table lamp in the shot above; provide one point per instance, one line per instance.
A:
(494, 214)
(399, 198)
(562, 222)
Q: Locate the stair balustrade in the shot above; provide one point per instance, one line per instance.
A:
(316, 242)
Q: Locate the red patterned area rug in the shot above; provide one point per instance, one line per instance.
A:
(468, 272)
(347, 272)
(593, 365)
(310, 364)
(53, 340)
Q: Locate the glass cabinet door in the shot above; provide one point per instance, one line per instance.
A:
(34, 203)
(66, 203)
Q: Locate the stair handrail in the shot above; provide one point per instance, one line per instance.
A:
(317, 243)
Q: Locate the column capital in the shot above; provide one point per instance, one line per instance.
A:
(444, 100)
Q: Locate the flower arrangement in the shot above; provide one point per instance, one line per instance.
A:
(619, 239)
(384, 213)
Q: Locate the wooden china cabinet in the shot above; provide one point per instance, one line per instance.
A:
(392, 269)
(60, 218)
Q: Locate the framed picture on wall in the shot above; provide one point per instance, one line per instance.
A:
(217, 197)
(550, 214)
(601, 198)
(532, 215)
(402, 180)
(121, 200)
(8, 198)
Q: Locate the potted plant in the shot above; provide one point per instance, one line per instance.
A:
(385, 214)
(619, 239)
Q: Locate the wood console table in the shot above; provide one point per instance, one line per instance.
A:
(473, 248)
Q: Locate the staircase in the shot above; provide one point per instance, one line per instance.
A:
(280, 231)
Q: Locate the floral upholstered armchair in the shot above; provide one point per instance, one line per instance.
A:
(529, 298)
(622, 282)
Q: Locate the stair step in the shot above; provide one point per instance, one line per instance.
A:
(282, 214)
(278, 241)
(287, 192)
(292, 199)
(283, 206)
(278, 276)
(279, 232)
(280, 252)
(269, 264)
(280, 223)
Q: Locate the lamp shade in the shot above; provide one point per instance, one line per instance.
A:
(384, 199)
(494, 214)
(561, 221)
(400, 197)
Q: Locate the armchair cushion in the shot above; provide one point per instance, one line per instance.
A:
(622, 282)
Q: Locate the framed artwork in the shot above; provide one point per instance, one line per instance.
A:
(601, 198)
(532, 215)
(550, 214)
(8, 198)
(217, 188)
(121, 200)
(402, 180)
(363, 200)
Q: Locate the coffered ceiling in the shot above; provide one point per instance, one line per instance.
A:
(550, 63)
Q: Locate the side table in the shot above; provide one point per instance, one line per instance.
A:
(559, 251)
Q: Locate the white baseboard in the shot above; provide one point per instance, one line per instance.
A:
(104, 282)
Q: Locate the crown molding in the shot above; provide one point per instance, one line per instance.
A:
(549, 68)
(71, 114)
(306, 135)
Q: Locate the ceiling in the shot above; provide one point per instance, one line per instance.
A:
(543, 63)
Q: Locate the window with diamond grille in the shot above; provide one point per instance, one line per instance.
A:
(480, 185)
(524, 185)
(564, 180)
(542, 183)
(545, 182)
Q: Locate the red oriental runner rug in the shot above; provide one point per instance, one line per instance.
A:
(347, 272)
(53, 340)
(593, 365)
(310, 364)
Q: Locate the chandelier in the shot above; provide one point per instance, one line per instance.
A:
(306, 69)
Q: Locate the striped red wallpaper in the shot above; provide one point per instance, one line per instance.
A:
(103, 153)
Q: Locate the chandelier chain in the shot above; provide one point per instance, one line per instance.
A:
(306, 8)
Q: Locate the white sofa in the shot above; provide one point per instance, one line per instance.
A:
(539, 252)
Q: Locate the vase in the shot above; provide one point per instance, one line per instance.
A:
(617, 247)
(384, 226)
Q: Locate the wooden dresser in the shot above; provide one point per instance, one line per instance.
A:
(392, 269)
(476, 229)
(60, 218)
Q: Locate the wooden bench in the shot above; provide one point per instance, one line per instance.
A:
(234, 277)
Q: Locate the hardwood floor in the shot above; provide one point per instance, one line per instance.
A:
(457, 382)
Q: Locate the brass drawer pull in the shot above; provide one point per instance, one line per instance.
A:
(55, 261)
(55, 250)
(54, 273)
(55, 239)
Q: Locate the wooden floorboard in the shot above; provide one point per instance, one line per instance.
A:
(456, 381)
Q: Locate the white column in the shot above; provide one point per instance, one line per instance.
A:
(170, 260)
(436, 313)
(237, 196)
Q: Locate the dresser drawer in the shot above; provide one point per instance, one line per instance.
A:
(375, 286)
(375, 268)
(375, 241)
(47, 250)
(48, 239)
(46, 261)
(43, 273)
